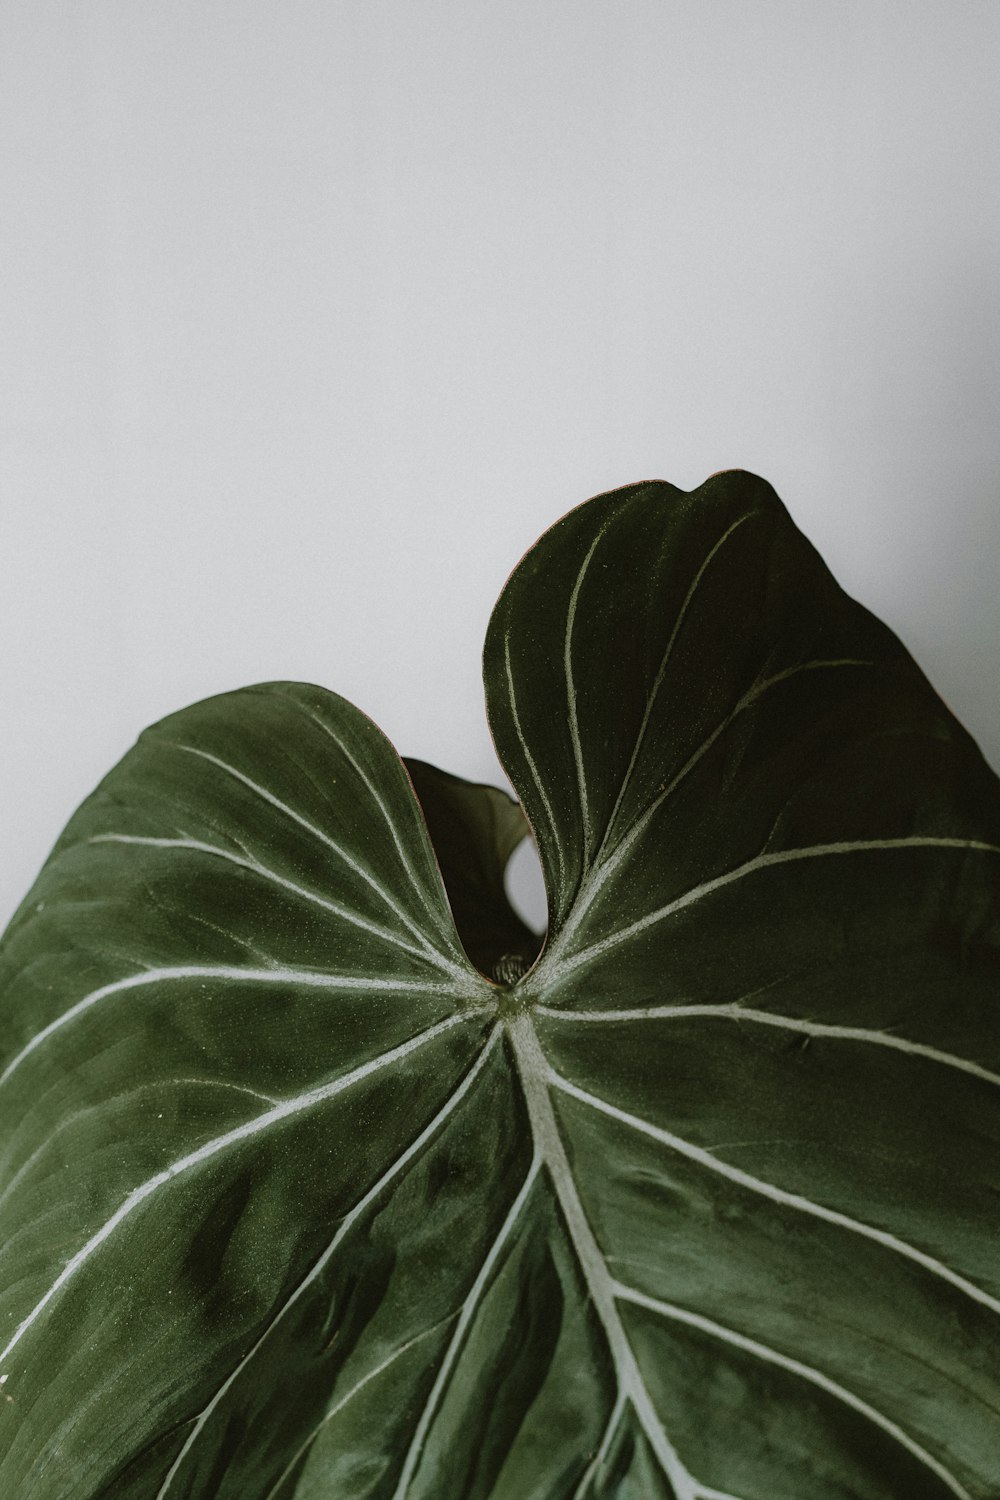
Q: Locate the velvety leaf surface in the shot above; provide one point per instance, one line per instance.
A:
(767, 1015)
(237, 1027)
(295, 1203)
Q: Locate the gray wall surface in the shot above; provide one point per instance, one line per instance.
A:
(314, 315)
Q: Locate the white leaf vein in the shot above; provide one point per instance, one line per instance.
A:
(797, 1367)
(317, 832)
(272, 1117)
(397, 1168)
(661, 673)
(263, 872)
(536, 1076)
(468, 1310)
(571, 703)
(559, 966)
(344, 1400)
(533, 769)
(605, 866)
(776, 1194)
(311, 978)
(740, 1013)
(607, 1438)
(377, 798)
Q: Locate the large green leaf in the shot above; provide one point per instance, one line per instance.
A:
(296, 1202)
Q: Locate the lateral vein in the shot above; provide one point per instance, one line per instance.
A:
(348, 1396)
(574, 722)
(536, 1077)
(280, 1112)
(777, 1195)
(739, 1013)
(661, 673)
(317, 832)
(533, 769)
(807, 1372)
(610, 1428)
(317, 979)
(565, 965)
(350, 1218)
(468, 1310)
(379, 801)
(603, 869)
(255, 868)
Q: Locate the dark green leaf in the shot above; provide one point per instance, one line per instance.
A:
(238, 1027)
(766, 1019)
(475, 829)
(295, 1203)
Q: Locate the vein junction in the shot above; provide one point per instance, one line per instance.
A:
(551, 1153)
(537, 1080)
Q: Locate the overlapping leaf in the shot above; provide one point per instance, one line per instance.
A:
(296, 1202)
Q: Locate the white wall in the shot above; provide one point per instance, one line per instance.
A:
(314, 315)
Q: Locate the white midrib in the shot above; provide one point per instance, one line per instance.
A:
(534, 1073)
(538, 1078)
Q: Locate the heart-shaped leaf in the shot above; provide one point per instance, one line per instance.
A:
(310, 1188)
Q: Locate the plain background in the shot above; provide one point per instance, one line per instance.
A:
(314, 315)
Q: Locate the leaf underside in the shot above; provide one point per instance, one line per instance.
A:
(298, 1200)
